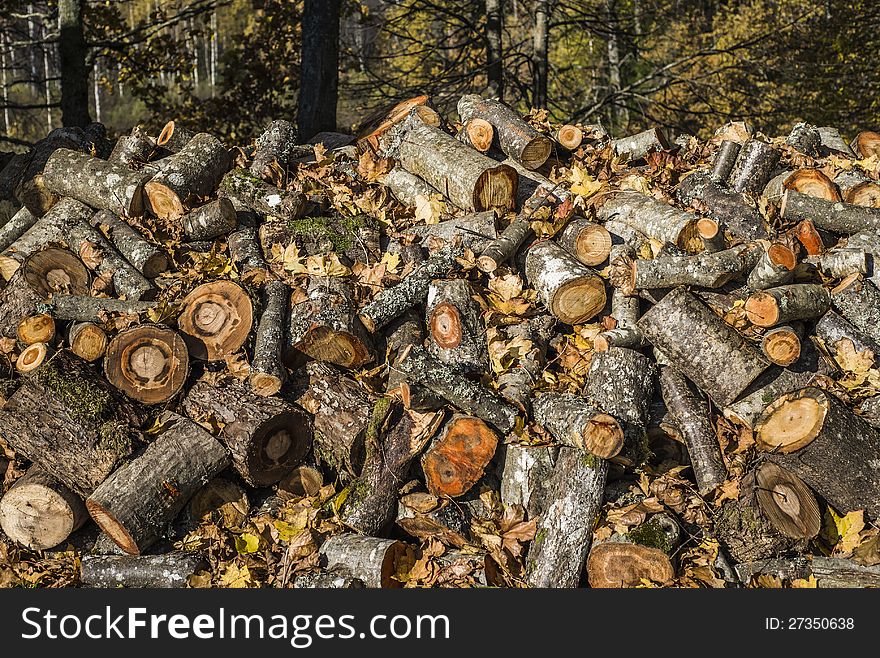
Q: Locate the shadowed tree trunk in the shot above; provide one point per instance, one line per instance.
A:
(541, 38)
(494, 64)
(320, 67)
(74, 73)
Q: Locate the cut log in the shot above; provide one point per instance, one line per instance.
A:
(456, 332)
(829, 215)
(814, 183)
(828, 571)
(476, 232)
(832, 328)
(325, 326)
(626, 333)
(784, 304)
(406, 187)
(782, 345)
(725, 158)
(267, 437)
(215, 320)
(837, 454)
(331, 579)
(194, 171)
(569, 137)
(372, 128)
(127, 280)
(147, 362)
(858, 301)
(692, 419)
(754, 166)
(470, 397)
(805, 139)
(652, 218)
(840, 263)
(244, 250)
(174, 137)
(29, 188)
(87, 340)
(809, 237)
(711, 234)
(787, 502)
(210, 221)
(775, 267)
(143, 255)
(732, 210)
(588, 242)
(83, 308)
(267, 370)
(722, 364)
(456, 460)
(477, 133)
(133, 150)
(572, 501)
(516, 138)
(39, 328)
(469, 179)
(170, 570)
(524, 472)
(369, 559)
(636, 147)
(32, 357)
(39, 512)
(95, 182)
(832, 142)
(534, 184)
(240, 186)
(524, 375)
(15, 227)
(507, 244)
(858, 189)
(614, 564)
(275, 148)
(746, 533)
(391, 302)
(572, 292)
(67, 419)
(406, 331)
(447, 522)
(135, 504)
(866, 144)
(576, 423)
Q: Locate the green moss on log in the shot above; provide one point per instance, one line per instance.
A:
(340, 231)
(650, 534)
(84, 400)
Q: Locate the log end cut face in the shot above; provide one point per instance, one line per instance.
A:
(788, 503)
(456, 462)
(445, 326)
(56, 270)
(579, 299)
(614, 565)
(112, 527)
(496, 188)
(536, 152)
(603, 436)
(277, 447)
(215, 320)
(792, 421)
(762, 309)
(36, 516)
(593, 245)
(322, 343)
(163, 201)
(147, 363)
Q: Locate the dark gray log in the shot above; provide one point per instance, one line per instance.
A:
(747, 534)
(828, 571)
(210, 221)
(145, 256)
(652, 218)
(170, 570)
(133, 150)
(754, 166)
(174, 136)
(516, 383)
(829, 215)
(267, 370)
(242, 187)
(722, 364)
(10, 175)
(805, 139)
(832, 328)
(725, 158)
(727, 208)
(244, 249)
(515, 137)
(858, 301)
(456, 332)
(29, 188)
(276, 145)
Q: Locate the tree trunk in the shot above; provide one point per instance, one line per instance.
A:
(516, 138)
(840, 263)
(149, 363)
(16, 227)
(805, 139)
(128, 282)
(540, 43)
(754, 166)
(74, 72)
(141, 571)
(319, 78)
(244, 249)
(784, 304)
(568, 289)
(210, 221)
(829, 215)
(84, 308)
(652, 218)
(248, 190)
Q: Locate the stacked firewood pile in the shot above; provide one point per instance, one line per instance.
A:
(495, 352)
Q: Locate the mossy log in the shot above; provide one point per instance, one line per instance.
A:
(142, 254)
(135, 504)
(754, 166)
(133, 150)
(275, 147)
(356, 238)
(722, 364)
(456, 460)
(572, 501)
(210, 221)
(829, 215)
(15, 227)
(515, 137)
(147, 362)
(267, 437)
(456, 331)
(100, 184)
(573, 421)
(571, 291)
(261, 197)
(194, 171)
(215, 319)
(523, 376)
(784, 304)
(169, 570)
(652, 218)
(39, 512)
(369, 559)
(638, 146)
(267, 370)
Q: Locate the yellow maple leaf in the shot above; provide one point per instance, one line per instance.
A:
(805, 583)
(582, 183)
(843, 532)
(507, 286)
(236, 577)
(391, 262)
(247, 543)
(429, 209)
(636, 183)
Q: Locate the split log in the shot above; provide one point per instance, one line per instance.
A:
(691, 416)
(456, 332)
(840, 263)
(133, 150)
(170, 570)
(445, 521)
(858, 189)
(832, 142)
(244, 250)
(813, 435)
(722, 364)
(728, 208)
(371, 129)
(15, 227)
(725, 158)
(569, 137)
(784, 304)
(267, 437)
(239, 185)
(215, 320)
(828, 571)
(569, 290)
(832, 328)
(782, 345)
(275, 147)
(87, 341)
(95, 182)
(174, 137)
(588, 242)
(267, 370)
(135, 504)
(516, 138)
(325, 326)
(829, 215)
(477, 133)
(652, 218)
(626, 333)
(775, 267)
(210, 221)
(572, 502)
(147, 362)
(194, 171)
(127, 280)
(623, 563)
(470, 397)
(812, 182)
(576, 423)
(469, 179)
(456, 460)
(524, 472)
(372, 560)
(754, 167)
(866, 144)
(406, 187)
(38, 328)
(83, 308)
(638, 146)
(858, 301)
(516, 383)
(39, 512)
(67, 419)
(476, 232)
(391, 302)
(143, 255)
(805, 139)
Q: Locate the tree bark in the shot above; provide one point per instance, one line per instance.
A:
(652, 218)
(775, 267)
(475, 232)
(133, 150)
(319, 77)
(369, 559)
(244, 249)
(753, 168)
(831, 141)
(261, 197)
(210, 221)
(805, 139)
(832, 328)
(517, 383)
(525, 471)
(145, 256)
(456, 332)
(74, 72)
(128, 282)
(83, 308)
(725, 158)
(568, 289)
(766, 388)
(638, 146)
(174, 137)
(626, 333)
(169, 570)
(494, 55)
(829, 215)
(15, 227)
(576, 423)
(407, 187)
(729, 209)
(858, 301)
(149, 363)
(51, 227)
(784, 304)
(275, 148)
(515, 137)
(267, 370)
(828, 571)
